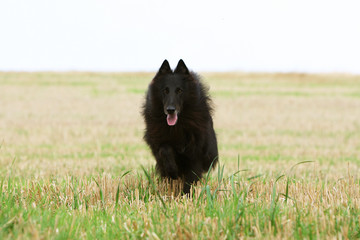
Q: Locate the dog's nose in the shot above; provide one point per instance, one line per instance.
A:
(170, 110)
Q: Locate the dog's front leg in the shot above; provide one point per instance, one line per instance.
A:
(166, 162)
(193, 174)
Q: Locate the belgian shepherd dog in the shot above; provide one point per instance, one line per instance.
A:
(179, 126)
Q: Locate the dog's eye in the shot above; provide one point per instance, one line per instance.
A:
(166, 90)
(178, 91)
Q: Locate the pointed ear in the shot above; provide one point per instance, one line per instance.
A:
(165, 68)
(181, 68)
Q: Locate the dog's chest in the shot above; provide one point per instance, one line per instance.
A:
(181, 140)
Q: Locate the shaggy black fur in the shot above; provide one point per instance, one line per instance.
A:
(179, 126)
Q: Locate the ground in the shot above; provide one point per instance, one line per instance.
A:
(73, 163)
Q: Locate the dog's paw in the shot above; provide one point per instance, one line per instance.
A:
(171, 170)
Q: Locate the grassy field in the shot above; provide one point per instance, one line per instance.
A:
(71, 157)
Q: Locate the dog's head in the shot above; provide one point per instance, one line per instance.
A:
(173, 86)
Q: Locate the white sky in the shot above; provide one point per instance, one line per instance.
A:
(137, 35)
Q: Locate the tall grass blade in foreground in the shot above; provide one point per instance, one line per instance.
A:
(274, 200)
(288, 179)
(299, 163)
(151, 182)
(101, 193)
(118, 188)
(205, 182)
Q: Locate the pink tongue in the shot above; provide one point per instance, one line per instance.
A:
(171, 119)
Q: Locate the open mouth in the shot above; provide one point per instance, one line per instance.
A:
(172, 118)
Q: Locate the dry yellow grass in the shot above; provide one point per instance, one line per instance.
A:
(60, 132)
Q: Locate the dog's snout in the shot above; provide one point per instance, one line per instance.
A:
(170, 110)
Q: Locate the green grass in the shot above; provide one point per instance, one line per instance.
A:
(73, 164)
(222, 208)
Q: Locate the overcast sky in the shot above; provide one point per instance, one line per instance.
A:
(137, 35)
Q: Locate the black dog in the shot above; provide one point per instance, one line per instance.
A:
(179, 126)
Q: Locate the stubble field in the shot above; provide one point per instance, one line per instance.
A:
(73, 164)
